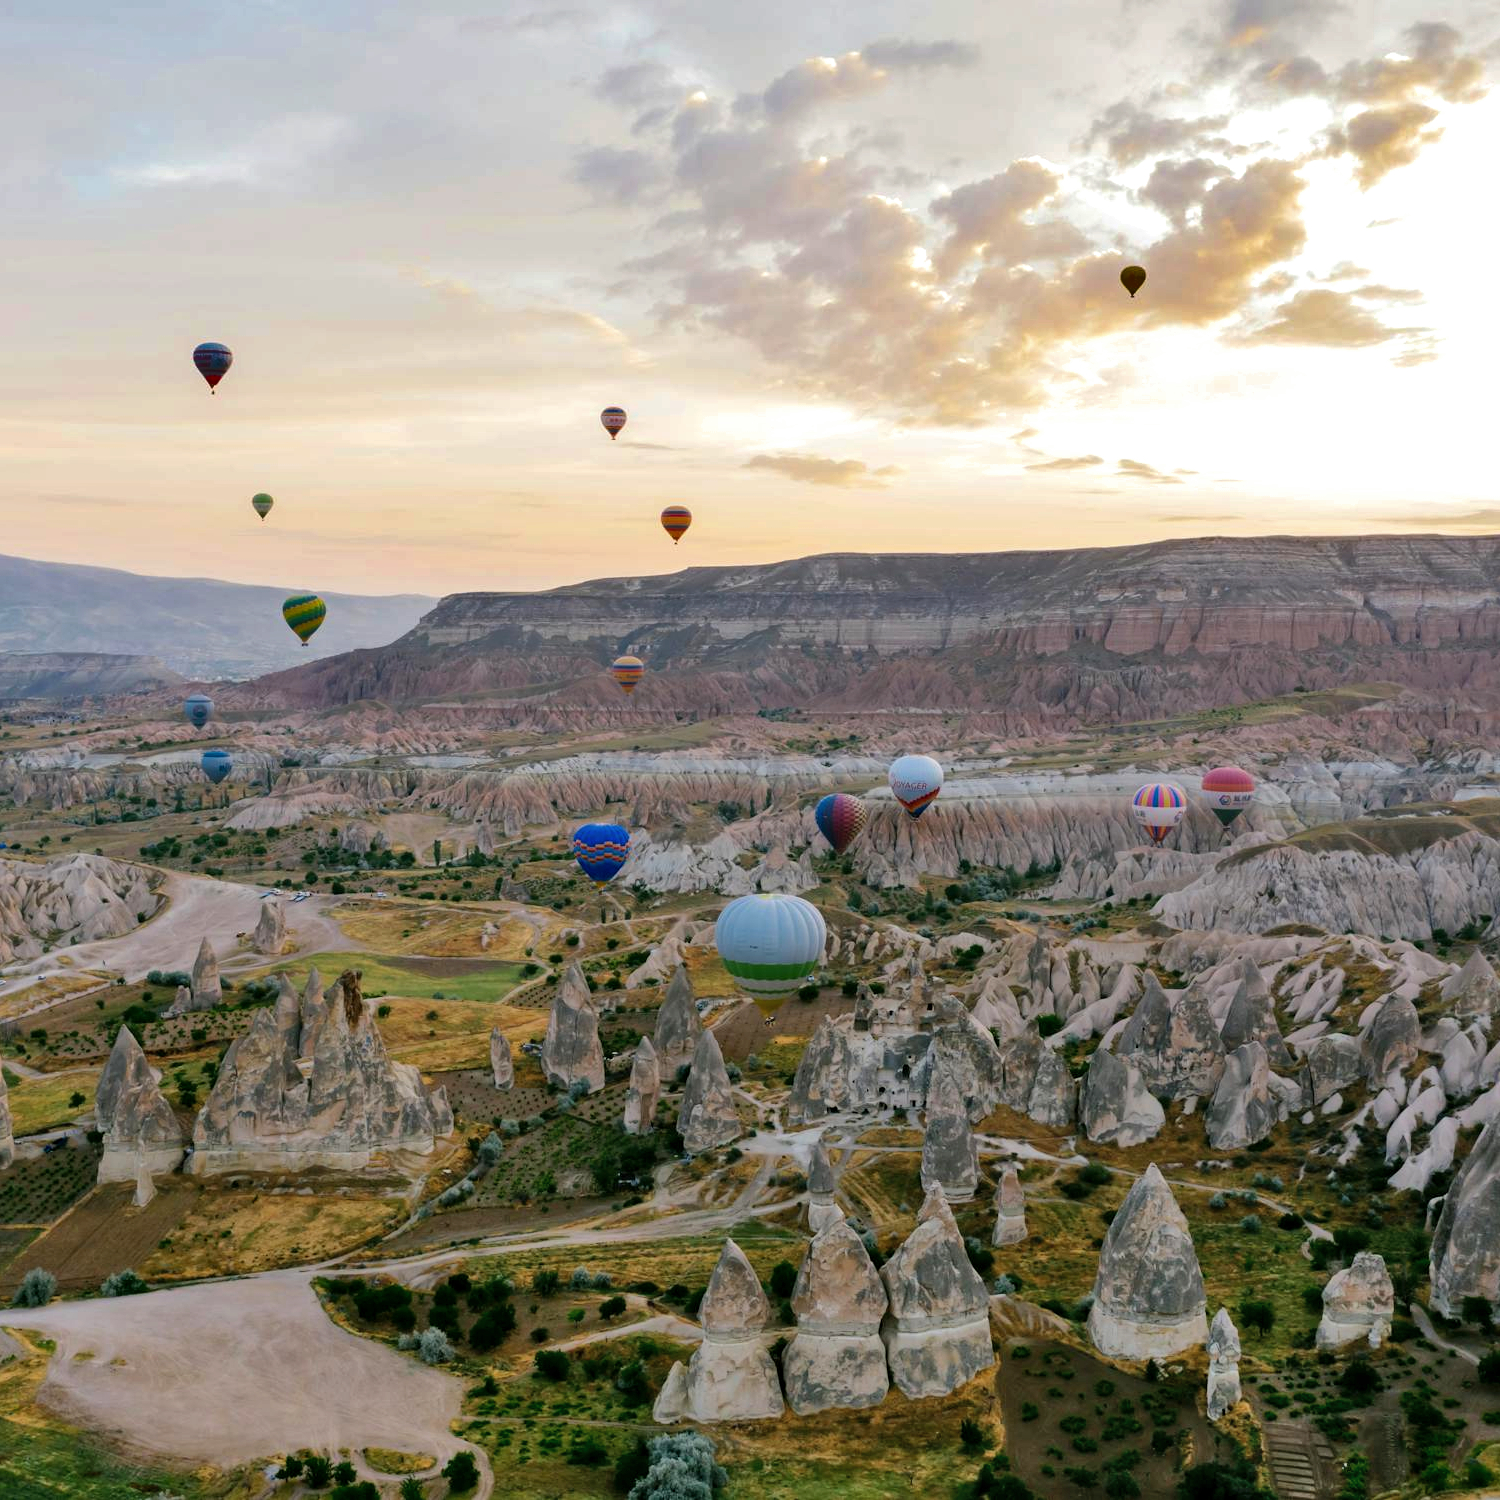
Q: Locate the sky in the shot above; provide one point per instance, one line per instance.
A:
(852, 270)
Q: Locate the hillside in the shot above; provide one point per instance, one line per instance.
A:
(80, 674)
(201, 627)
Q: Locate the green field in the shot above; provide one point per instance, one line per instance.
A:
(481, 982)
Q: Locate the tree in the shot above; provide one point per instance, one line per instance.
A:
(411, 1489)
(611, 1307)
(682, 1468)
(343, 1472)
(1489, 1367)
(319, 1471)
(461, 1472)
(971, 1434)
(433, 1347)
(632, 1383)
(491, 1326)
(124, 1283)
(551, 1363)
(36, 1289)
(1216, 1481)
(783, 1279)
(544, 1283)
(633, 1465)
(1257, 1314)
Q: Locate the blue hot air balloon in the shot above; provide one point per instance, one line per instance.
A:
(600, 849)
(199, 709)
(216, 765)
(770, 943)
(213, 362)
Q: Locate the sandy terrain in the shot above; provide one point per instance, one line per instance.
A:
(235, 1371)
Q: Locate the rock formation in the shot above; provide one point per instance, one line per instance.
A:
(1358, 1303)
(1010, 1209)
(937, 1330)
(643, 1091)
(950, 1159)
(1393, 1040)
(836, 1358)
(1466, 1244)
(206, 990)
(672, 1400)
(1474, 991)
(182, 1003)
(822, 1186)
(1176, 1047)
(1054, 1095)
(730, 1377)
(7, 1139)
(74, 900)
(1148, 1295)
(1333, 1063)
(1252, 1018)
(678, 1026)
(571, 1052)
(1244, 1110)
(1114, 1105)
(270, 929)
(708, 1116)
(145, 1188)
(277, 1107)
(1223, 1365)
(502, 1064)
(133, 1114)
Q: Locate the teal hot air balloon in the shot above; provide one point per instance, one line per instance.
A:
(216, 765)
(199, 709)
(770, 944)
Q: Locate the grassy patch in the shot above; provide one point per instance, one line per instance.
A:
(38, 1104)
(480, 983)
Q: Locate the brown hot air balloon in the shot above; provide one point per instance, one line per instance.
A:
(1133, 278)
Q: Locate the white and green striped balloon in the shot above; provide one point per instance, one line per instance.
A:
(770, 944)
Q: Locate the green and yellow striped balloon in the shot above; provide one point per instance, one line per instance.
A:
(304, 613)
(261, 505)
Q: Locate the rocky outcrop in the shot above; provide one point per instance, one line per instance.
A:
(671, 1404)
(822, 1186)
(1393, 1040)
(145, 1187)
(571, 1052)
(205, 986)
(708, 1116)
(950, 1159)
(730, 1377)
(937, 1330)
(182, 1003)
(1465, 1259)
(1473, 992)
(1244, 1110)
(7, 1138)
(1115, 1106)
(270, 929)
(1148, 1294)
(502, 1064)
(133, 1114)
(74, 900)
(678, 1026)
(1223, 1365)
(836, 1357)
(1252, 1018)
(278, 1107)
(1333, 1063)
(1358, 1303)
(1010, 1209)
(1176, 1047)
(643, 1091)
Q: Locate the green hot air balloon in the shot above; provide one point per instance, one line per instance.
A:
(304, 613)
(261, 505)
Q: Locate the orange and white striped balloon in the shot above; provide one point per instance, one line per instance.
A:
(675, 520)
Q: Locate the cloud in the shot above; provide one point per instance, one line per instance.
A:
(621, 174)
(807, 468)
(1321, 316)
(989, 219)
(1267, 24)
(1131, 133)
(1484, 520)
(895, 55)
(1087, 461)
(1177, 187)
(1133, 468)
(635, 85)
(1380, 140)
(824, 80)
(1214, 519)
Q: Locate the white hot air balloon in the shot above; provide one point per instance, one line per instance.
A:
(770, 943)
(915, 782)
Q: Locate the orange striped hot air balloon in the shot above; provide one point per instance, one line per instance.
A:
(675, 520)
(627, 671)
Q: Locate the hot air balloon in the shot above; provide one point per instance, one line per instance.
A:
(770, 943)
(675, 520)
(1158, 808)
(199, 709)
(1133, 278)
(841, 819)
(213, 362)
(613, 418)
(261, 505)
(627, 671)
(1229, 791)
(304, 613)
(600, 849)
(916, 780)
(216, 765)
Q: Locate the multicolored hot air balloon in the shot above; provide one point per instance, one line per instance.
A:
(1133, 278)
(916, 780)
(261, 505)
(841, 819)
(613, 418)
(213, 362)
(770, 943)
(216, 765)
(1229, 791)
(199, 709)
(304, 613)
(600, 849)
(627, 671)
(675, 520)
(1158, 808)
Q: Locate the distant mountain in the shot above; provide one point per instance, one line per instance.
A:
(80, 674)
(1033, 638)
(200, 627)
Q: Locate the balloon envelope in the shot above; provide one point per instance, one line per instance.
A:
(216, 765)
(213, 362)
(261, 504)
(841, 819)
(770, 943)
(675, 520)
(915, 781)
(304, 613)
(1158, 808)
(613, 418)
(1229, 791)
(627, 671)
(199, 709)
(600, 849)
(1133, 278)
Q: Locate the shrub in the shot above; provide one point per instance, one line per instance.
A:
(1120, 1484)
(611, 1307)
(491, 1326)
(1049, 1025)
(1030, 1411)
(1489, 1367)
(433, 1347)
(1257, 1314)
(319, 1470)
(1219, 1200)
(552, 1364)
(632, 1383)
(123, 1284)
(343, 1472)
(36, 1289)
(808, 993)
(783, 1279)
(461, 1472)
(544, 1283)
(682, 1467)
(1250, 1224)
(581, 1279)
(971, 1434)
